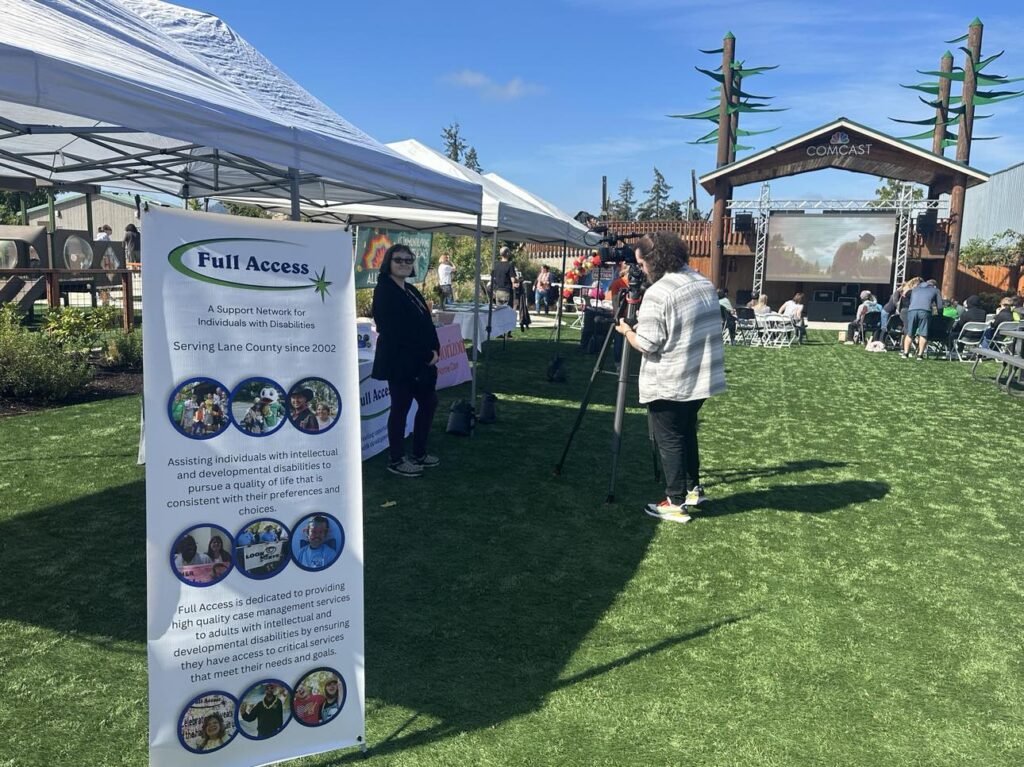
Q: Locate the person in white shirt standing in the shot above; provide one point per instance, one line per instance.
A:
(445, 270)
(679, 333)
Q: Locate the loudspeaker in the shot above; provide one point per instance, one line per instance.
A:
(925, 225)
(743, 222)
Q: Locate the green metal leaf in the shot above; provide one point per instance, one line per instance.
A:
(753, 108)
(923, 87)
(997, 79)
(929, 121)
(986, 100)
(957, 75)
(754, 71)
(741, 132)
(713, 75)
(713, 50)
(958, 40)
(740, 148)
(706, 114)
(984, 138)
(745, 95)
(948, 143)
(916, 136)
(995, 94)
(712, 136)
(985, 62)
(936, 104)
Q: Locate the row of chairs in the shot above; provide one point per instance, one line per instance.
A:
(771, 331)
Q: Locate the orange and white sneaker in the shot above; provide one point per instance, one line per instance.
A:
(668, 509)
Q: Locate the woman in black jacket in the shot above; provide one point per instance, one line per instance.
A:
(406, 357)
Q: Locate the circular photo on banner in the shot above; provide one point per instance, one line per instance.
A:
(261, 549)
(319, 697)
(208, 722)
(264, 710)
(313, 405)
(317, 541)
(199, 408)
(257, 407)
(201, 555)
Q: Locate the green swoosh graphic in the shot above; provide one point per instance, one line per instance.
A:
(176, 255)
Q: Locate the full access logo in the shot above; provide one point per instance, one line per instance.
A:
(250, 264)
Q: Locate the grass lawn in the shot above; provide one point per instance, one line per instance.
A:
(852, 594)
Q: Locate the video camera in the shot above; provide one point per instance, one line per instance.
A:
(613, 248)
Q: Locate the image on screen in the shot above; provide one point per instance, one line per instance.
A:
(854, 248)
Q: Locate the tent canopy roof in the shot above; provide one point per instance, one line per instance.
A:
(143, 94)
(850, 146)
(508, 210)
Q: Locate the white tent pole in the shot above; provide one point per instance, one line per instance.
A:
(476, 308)
(293, 177)
(558, 314)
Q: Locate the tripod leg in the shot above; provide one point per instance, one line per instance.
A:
(586, 399)
(620, 407)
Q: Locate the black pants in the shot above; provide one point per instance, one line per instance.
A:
(403, 392)
(674, 427)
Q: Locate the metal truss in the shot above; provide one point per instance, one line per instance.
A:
(764, 207)
(904, 212)
(837, 204)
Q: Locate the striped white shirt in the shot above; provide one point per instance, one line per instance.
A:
(679, 331)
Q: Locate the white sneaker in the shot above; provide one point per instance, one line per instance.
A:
(668, 509)
(695, 497)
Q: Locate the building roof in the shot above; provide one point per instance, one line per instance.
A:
(846, 145)
(121, 199)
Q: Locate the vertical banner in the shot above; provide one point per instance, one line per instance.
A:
(253, 490)
(372, 243)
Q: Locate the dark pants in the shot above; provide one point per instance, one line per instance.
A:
(403, 392)
(674, 427)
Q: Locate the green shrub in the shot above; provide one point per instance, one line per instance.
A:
(105, 317)
(124, 350)
(71, 328)
(37, 367)
(364, 302)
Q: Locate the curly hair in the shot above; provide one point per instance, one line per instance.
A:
(663, 252)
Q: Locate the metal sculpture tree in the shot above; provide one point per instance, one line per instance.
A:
(732, 101)
(959, 110)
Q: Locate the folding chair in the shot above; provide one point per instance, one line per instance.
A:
(870, 327)
(892, 336)
(940, 330)
(969, 339)
(1000, 342)
(746, 326)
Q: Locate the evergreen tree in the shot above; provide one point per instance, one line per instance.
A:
(454, 145)
(890, 191)
(673, 211)
(10, 205)
(471, 161)
(653, 208)
(621, 208)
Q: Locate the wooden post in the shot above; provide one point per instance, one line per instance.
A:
(128, 307)
(734, 122)
(725, 140)
(88, 216)
(24, 208)
(963, 156)
(52, 278)
(941, 116)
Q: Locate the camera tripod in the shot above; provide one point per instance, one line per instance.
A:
(631, 299)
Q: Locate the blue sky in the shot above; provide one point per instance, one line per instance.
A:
(554, 95)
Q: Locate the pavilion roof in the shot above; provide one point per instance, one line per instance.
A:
(846, 145)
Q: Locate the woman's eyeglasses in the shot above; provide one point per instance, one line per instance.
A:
(403, 259)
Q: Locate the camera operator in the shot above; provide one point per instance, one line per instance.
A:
(679, 335)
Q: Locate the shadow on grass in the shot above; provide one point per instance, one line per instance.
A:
(812, 498)
(789, 467)
(79, 568)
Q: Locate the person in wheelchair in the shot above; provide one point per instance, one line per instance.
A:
(864, 323)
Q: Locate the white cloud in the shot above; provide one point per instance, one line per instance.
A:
(516, 88)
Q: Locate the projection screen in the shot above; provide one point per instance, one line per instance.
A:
(826, 248)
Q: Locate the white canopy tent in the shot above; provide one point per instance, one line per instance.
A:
(147, 95)
(578, 232)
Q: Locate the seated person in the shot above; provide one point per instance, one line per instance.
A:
(867, 306)
(794, 309)
(973, 312)
(760, 305)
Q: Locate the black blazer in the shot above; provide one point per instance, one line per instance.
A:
(406, 338)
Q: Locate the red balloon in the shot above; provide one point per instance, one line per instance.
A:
(567, 293)
(595, 260)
